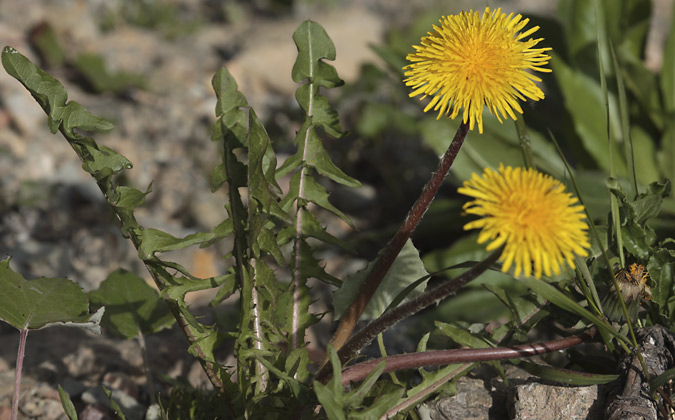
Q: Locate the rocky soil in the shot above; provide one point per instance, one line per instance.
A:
(53, 221)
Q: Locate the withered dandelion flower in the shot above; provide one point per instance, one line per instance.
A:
(540, 224)
(471, 61)
(632, 282)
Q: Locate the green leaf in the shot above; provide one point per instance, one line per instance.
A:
(76, 116)
(473, 303)
(49, 92)
(331, 395)
(422, 345)
(585, 103)
(117, 410)
(218, 176)
(647, 205)
(130, 198)
(498, 144)
(668, 69)
(67, 404)
(315, 193)
(406, 269)
(662, 379)
(207, 340)
(155, 240)
(563, 301)
(317, 157)
(666, 155)
(660, 267)
(193, 284)
(355, 397)
(637, 240)
(46, 42)
(314, 45)
(460, 335)
(228, 288)
(312, 267)
(405, 292)
(312, 227)
(566, 376)
(51, 95)
(328, 402)
(385, 400)
(222, 230)
(439, 377)
(290, 306)
(319, 110)
(637, 236)
(625, 22)
(645, 156)
(262, 184)
(624, 120)
(124, 203)
(93, 69)
(644, 86)
(132, 307)
(297, 364)
(40, 302)
(227, 92)
(297, 388)
(291, 163)
(578, 18)
(102, 162)
(628, 24)
(522, 307)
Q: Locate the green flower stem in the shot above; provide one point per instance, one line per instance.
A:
(393, 248)
(390, 318)
(445, 357)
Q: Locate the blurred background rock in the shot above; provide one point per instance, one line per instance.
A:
(147, 67)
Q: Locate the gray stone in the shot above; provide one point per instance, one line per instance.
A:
(536, 401)
(472, 402)
(479, 396)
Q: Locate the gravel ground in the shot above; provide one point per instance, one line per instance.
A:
(53, 221)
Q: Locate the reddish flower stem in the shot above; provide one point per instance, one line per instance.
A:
(17, 374)
(390, 318)
(444, 357)
(393, 248)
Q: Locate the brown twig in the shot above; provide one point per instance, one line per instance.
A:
(445, 357)
(393, 248)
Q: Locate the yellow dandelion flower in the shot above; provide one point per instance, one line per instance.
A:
(471, 61)
(530, 213)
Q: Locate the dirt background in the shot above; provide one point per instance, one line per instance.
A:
(53, 221)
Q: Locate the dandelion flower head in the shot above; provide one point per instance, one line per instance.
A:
(540, 224)
(471, 61)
